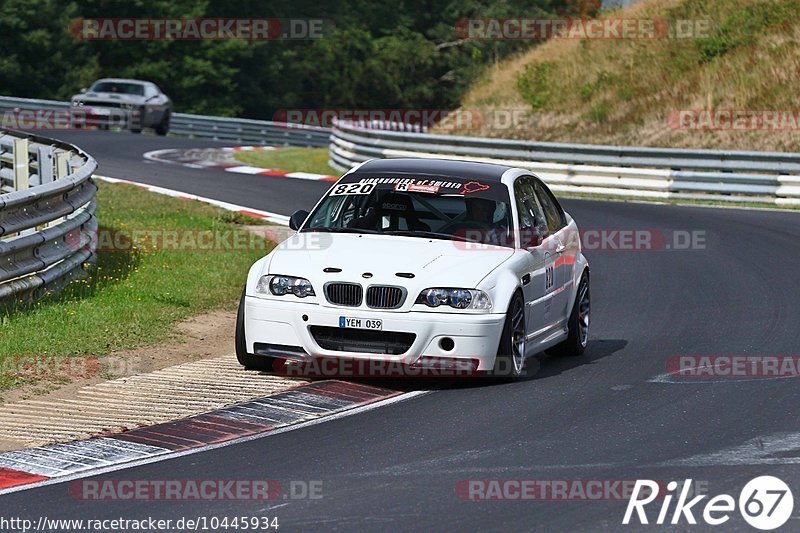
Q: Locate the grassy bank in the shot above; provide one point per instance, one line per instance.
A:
(290, 159)
(161, 260)
(741, 55)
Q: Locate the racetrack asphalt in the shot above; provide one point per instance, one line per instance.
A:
(609, 415)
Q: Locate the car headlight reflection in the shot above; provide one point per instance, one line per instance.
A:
(456, 298)
(283, 285)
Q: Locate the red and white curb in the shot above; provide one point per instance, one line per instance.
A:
(276, 218)
(222, 158)
(247, 420)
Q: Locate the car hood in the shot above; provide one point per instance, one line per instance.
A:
(433, 262)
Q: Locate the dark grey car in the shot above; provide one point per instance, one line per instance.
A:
(133, 104)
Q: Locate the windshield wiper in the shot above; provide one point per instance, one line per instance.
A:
(340, 230)
(425, 234)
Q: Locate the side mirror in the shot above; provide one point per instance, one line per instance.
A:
(530, 238)
(297, 219)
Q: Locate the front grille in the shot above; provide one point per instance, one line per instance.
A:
(385, 297)
(102, 104)
(347, 294)
(362, 340)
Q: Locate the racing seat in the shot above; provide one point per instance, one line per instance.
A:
(394, 207)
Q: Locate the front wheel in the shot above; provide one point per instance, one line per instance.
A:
(163, 128)
(510, 360)
(247, 360)
(578, 325)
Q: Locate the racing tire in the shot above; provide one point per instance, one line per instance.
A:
(163, 128)
(509, 365)
(247, 360)
(136, 130)
(578, 325)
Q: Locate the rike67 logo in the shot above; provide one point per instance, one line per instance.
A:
(765, 503)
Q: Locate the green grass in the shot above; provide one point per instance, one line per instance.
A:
(314, 160)
(135, 296)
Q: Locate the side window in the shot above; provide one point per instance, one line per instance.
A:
(326, 217)
(528, 208)
(552, 211)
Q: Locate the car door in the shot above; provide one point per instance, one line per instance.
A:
(538, 279)
(562, 248)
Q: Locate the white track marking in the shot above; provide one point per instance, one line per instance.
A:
(283, 220)
(245, 169)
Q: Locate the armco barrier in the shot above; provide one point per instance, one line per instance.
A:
(237, 130)
(637, 172)
(47, 205)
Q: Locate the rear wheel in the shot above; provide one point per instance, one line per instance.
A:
(247, 360)
(578, 325)
(510, 360)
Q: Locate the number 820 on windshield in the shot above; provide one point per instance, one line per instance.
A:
(352, 188)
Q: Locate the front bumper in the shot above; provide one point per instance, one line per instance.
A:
(288, 323)
(98, 116)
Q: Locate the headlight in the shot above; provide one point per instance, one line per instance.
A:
(457, 298)
(77, 103)
(283, 285)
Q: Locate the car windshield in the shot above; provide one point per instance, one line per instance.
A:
(118, 87)
(426, 207)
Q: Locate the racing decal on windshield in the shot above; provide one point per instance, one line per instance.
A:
(417, 187)
(352, 188)
(473, 186)
(434, 186)
(407, 182)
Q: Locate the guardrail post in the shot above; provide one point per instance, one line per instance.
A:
(62, 158)
(21, 170)
(46, 164)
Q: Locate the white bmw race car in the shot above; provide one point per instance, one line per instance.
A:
(424, 263)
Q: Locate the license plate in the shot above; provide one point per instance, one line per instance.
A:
(100, 111)
(360, 323)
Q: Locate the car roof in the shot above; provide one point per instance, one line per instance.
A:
(436, 167)
(121, 80)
